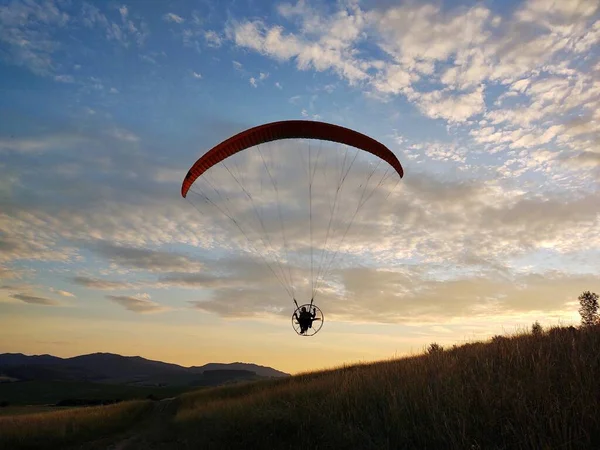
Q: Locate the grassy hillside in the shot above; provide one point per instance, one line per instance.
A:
(526, 391)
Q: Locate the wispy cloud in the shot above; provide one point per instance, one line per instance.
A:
(62, 292)
(123, 30)
(35, 300)
(213, 39)
(172, 17)
(95, 283)
(139, 303)
(143, 258)
(26, 29)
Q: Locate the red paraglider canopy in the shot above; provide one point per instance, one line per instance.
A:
(288, 129)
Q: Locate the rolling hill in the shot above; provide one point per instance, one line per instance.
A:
(135, 370)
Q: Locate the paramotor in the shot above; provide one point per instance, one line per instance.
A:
(292, 191)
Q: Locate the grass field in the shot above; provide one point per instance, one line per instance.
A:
(50, 392)
(58, 429)
(524, 392)
(22, 410)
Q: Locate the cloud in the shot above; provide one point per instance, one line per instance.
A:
(450, 106)
(35, 300)
(62, 293)
(261, 77)
(172, 17)
(32, 32)
(417, 35)
(95, 283)
(331, 51)
(409, 296)
(146, 259)
(213, 39)
(64, 78)
(124, 135)
(44, 143)
(406, 296)
(430, 220)
(139, 303)
(471, 46)
(26, 30)
(17, 244)
(7, 273)
(435, 220)
(585, 159)
(122, 30)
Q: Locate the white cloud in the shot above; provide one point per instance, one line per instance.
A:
(139, 303)
(95, 283)
(172, 17)
(28, 45)
(124, 31)
(413, 35)
(64, 78)
(330, 52)
(471, 46)
(454, 107)
(62, 292)
(213, 39)
(40, 144)
(124, 135)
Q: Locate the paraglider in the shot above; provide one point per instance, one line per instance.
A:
(270, 197)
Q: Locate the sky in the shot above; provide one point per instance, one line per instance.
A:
(492, 108)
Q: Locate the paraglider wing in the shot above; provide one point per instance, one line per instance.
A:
(289, 129)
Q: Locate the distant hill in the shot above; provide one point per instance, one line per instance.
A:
(18, 359)
(261, 371)
(134, 370)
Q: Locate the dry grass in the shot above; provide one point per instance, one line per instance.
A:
(56, 429)
(30, 409)
(520, 392)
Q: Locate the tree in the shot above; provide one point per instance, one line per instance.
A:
(589, 308)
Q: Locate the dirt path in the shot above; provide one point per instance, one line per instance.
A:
(146, 438)
(149, 434)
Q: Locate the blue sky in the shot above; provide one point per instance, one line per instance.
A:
(492, 109)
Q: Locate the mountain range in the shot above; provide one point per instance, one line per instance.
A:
(134, 370)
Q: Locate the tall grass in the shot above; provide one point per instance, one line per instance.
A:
(57, 429)
(526, 391)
